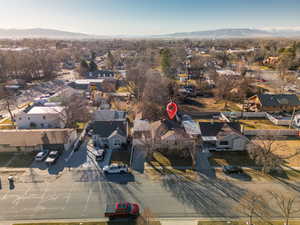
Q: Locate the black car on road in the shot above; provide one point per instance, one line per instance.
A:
(232, 169)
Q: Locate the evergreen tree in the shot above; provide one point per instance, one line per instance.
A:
(165, 62)
(84, 67)
(110, 61)
(93, 66)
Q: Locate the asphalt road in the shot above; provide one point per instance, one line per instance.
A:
(84, 193)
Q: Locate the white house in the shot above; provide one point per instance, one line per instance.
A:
(110, 134)
(40, 117)
(222, 136)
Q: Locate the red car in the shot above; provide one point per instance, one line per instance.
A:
(122, 209)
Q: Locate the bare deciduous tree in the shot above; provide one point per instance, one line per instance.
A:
(76, 110)
(286, 203)
(136, 79)
(264, 150)
(9, 99)
(224, 85)
(155, 96)
(146, 218)
(252, 205)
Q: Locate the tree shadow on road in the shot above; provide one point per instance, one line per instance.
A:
(207, 196)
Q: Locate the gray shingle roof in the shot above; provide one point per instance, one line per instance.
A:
(106, 128)
(278, 99)
(219, 128)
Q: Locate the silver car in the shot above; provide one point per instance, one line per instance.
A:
(41, 155)
(115, 168)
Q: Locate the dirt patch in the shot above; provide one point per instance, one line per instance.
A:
(289, 147)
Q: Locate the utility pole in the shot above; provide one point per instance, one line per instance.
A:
(292, 118)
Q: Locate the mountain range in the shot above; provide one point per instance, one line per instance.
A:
(215, 34)
(42, 33)
(234, 33)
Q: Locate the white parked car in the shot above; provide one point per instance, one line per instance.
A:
(41, 155)
(53, 156)
(115, 168)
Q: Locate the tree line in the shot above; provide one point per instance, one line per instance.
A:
(27, 65)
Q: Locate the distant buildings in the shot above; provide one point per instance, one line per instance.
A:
(100, 74)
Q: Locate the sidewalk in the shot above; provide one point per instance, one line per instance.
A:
(163, 221)
(11, 222)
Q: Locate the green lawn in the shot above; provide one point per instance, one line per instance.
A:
(5, 157)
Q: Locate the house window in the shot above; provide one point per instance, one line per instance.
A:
(42, 125)
(44, 117)
(224, 143)
(117, 142)
(20, 118)
(28, 118)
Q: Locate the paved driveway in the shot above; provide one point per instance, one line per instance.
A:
(203, 165)
(138, 159)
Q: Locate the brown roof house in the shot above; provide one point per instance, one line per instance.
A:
(37, 139)
(169, 134)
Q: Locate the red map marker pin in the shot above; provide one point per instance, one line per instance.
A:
(172, 110)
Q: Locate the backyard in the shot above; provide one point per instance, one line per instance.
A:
(208, 105)
(262, 124)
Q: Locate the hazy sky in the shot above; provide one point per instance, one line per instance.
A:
(110, 17)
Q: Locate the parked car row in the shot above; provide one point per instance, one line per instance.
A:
(50, 157)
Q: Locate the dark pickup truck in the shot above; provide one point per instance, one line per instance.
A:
(122, 209)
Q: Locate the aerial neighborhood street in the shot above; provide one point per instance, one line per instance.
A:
(195, 128)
